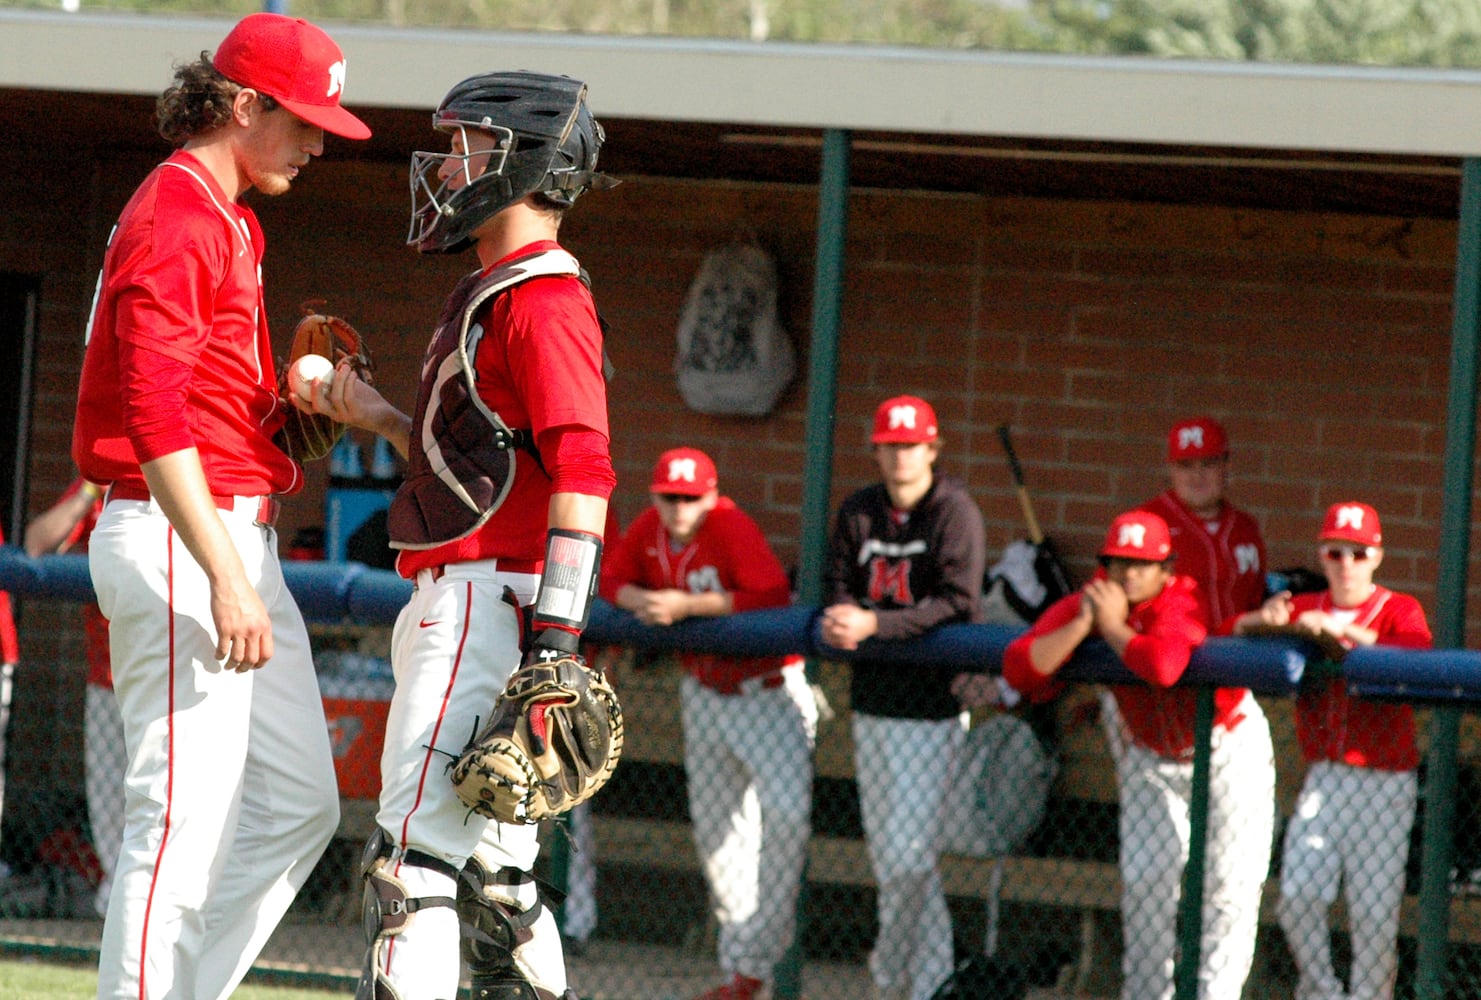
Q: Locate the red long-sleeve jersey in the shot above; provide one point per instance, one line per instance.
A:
(1169, 627)
(1333, 725)
(178, 354)
(728, 554)
(1226, 556)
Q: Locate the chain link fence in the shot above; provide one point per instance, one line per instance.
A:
(1042, 833)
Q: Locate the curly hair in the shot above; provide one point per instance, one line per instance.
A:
(200, 100)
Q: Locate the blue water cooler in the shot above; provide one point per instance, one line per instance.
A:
(355, 496)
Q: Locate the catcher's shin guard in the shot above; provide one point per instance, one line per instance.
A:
(387, 909)
(495, 929)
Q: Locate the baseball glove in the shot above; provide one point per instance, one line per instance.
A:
(307, 437)
(553, 740)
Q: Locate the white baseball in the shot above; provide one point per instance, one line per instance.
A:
(307, 370)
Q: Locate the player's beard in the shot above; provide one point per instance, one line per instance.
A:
(272, 183)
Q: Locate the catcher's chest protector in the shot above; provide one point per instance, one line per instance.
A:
(461, 459)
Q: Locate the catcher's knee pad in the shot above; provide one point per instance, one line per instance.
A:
(495, 928)
(387, 909)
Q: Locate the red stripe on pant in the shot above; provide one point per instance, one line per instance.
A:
(427, 759)
(164, 840)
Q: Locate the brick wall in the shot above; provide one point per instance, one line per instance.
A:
(1320, 340)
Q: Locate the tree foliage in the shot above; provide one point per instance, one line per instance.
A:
(1373, 32)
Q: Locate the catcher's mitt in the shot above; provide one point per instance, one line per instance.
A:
(310, 436)
(553, 740)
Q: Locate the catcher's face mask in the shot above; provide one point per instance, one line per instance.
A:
(448, 189)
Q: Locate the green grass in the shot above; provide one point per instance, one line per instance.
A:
(47, 979)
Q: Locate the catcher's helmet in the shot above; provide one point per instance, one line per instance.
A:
(546, 142)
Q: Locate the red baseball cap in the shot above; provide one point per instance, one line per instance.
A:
(904, 420)
(1199, 437)
(293, 62)
(685, 471)
(1138, 534)
(1351, 521)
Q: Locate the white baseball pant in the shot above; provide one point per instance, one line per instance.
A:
(231, 795)
(453, 649)
(748, 758)
(1351, 828)
(105, 767)
(903, 769)
(1155, 797)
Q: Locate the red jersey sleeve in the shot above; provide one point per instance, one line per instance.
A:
(579, 461)
(1018, 669)
(1169, 627)
(555, 354)
(162, 319)
(1404, 624)
(10, 647)
(622, 564)
(757, 579)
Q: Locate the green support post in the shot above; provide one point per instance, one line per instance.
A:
(817, 484)
(822, 379)
(1190, 904)
(1438, 845)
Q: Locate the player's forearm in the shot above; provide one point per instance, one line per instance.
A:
(630, 597)
(395, 426)
(1052, 650)
(572, 568)
(907, 623)
(578, 512)
(1357, 634)
(178, 483)
(49, 531)
(707, 605)
(1118, 636)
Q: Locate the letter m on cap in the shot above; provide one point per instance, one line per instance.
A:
(902, 416)
(1190, 437)
(683, 469)
(1350, 517)
(1132, 536)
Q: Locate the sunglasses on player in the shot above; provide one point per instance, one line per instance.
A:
(677, 498)
(1336, 553)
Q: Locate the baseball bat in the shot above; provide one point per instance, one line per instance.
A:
(1035, 535)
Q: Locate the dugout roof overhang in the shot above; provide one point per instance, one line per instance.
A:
(1269, 135)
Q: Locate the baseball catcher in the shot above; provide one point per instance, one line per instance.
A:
(309, 436)
(502, 508)
(553, 739)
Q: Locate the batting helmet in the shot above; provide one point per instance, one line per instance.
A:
(546, 142)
